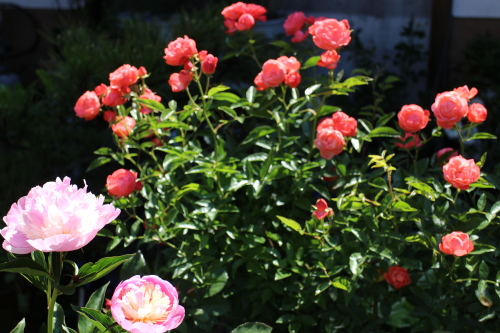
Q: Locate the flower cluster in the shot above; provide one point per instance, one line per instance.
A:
(297, 24)
(183, 52)
(275, 72)
(331, 132)
(242, 16)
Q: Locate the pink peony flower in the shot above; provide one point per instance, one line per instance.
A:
(123, 126)
(460, 173)
(122, 183)
(322, 209)
(124, 76)
(477, 113)
(57, 217)
(88, 106)
(146, 305)
(412, 118)
(457, 243)
(330, 34)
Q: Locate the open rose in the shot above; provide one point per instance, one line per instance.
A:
(412, 118)
(179, 51)
(457, 243)
(180, 81)
(477, 113)
(330, 34)
(88, 106)
(449, 107)
(329, 142)
(397, 277)
(344, 124)
(123, 126)
(329, 59)
(460, 173)
(294, 22)
(122, 183)
(124, 76)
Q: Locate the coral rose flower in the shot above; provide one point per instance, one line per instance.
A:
(179, 81)
(460, 173)
(273, 73)
(245, 22)
(397, 277)
(124, 76)
(449, 107)
(146, 305)
(123, 126)
(257, 11)
(330, 142)
(299, 36)
(113, 97)
(294, 22)
(330, 34)
(457, 243)
(234, 11)
(87, 106)
(179, 51)
(293, 79)
(344, 124)
(241, 16)
(142, 71)
(122, 183)
(322, 209)
(56, 217)
(410, 140)
(466, 93)
(477, 113)
(148, 94)
(412, 118)
(443, 151)
(329, 59)
(109, 116)
(209, 64)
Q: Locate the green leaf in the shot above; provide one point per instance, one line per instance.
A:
(312, 89)
(59, 321)
(154, 105)
(481, 135)
(312, 61)
(135, 266)
(226, 96)
(101, 160)
(483, 270)
(495, 208)
(19, 327)
(95, 302)
(322, 287)
(342, 283)
(257, 133)
(481, 202)
(482, 248)
(384, 132)
(217, 89)
(402, 206)
(327, 109)
(253, 327)
(250, 94)
(24, 266)
(91, 272)
(291, 223)
(172, 105)
(216, 281)
(98, 319)
(356, 81)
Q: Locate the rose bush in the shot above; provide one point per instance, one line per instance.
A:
(273, 204)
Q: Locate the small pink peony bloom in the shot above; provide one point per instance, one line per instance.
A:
(124, 76)
(57, 217)
(460, 173)
(439, 155)
(410, 140)
(466, 93)
(449, 107)
(329, 142)
(294, 22)
(123, 126)
(412, 118)
(330, 34)
(397, 277)
(346, 125)
(148, 94)
(146, 304)
(179, 51)
(322, 209)
(329, 59)
(179, 81)
(209, 64)
(113, 97)
(477, 113)
(457, 243)
(87, 106)
(109, 116)
(121, 183)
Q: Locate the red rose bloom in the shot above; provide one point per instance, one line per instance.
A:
(330, 34)
(180, 81)
(329, 142)
(121, 183)
(412, 118)
(397, 277)
(179, 51)
(457, 243)
(123, 126)
(124, 76)
(477, 113)
(460, 173)
(87, 106)
(329, 59)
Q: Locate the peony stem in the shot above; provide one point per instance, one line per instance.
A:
(50, 315)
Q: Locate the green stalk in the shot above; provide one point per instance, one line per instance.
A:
(50, 315)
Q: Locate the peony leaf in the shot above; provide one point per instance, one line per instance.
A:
(253, 327)
(91, 272)
(95, 302)
(24, 266)
(98, 319)
(19, 327)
